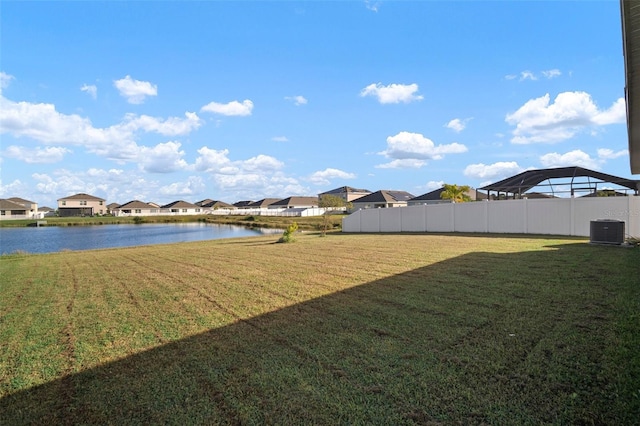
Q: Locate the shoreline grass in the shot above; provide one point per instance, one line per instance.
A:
(347, 329)
(310, 223)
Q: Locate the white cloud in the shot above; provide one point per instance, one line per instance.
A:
(552, 73)
(616, 114)
(193, 185)
(372, 5)
(490, 171)
(432, 185)
(43, 123)
(262, 163)
(572, 158)
(408, 163)
(297, 100)
(280, 139)
(527, 75)
(609, 154)
(324, 177)
(230, 109)
(36, 155)
(214, 161)
(457, 125)
(539, 121)
(12, 189)
(162, 158)
(91, 89)
(510, 77)
(172, 126)
(135, 91)
(393, 93)
(412, 149)
(5, 80)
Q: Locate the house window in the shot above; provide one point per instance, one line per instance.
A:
(64, 203)
(83, 203)
(184, 210)
(197, 210)
(138, 211)
(154, 211)
(100, 202)
(2, 213)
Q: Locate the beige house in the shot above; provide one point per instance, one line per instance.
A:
(135, 208)
(295, 203)
(347, 193)
(81, 205)
(19, 208)
(180, 208)
(11, 210)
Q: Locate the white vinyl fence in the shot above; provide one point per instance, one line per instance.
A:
(558, 216)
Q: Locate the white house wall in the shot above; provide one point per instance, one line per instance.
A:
(563, 216)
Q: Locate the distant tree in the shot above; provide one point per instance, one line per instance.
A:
(456, 193)
(331, 203)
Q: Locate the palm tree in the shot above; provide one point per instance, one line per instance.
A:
(455, 193)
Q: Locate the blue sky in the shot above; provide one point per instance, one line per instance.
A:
(166, 101)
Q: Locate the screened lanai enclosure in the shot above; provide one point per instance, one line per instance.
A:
(562, 182)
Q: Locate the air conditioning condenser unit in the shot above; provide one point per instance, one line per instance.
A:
(607, 231)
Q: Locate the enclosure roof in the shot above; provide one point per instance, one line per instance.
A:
(630, 11)
(524, 181)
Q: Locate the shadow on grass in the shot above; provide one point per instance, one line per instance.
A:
(529, 337)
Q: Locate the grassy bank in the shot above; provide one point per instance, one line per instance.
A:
(304, 223)
(347, 329)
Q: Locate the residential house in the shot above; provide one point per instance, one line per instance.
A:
(205, 201)
(111, 207)
(347, 193)
(31, 207)
(180, 208)
(261, 204)
(295, 202)
(12, 210)
(242, 204)
(216, 204)
(382, 199)
(136, 208)
(45, 211)
(81, 205)
(434, 197)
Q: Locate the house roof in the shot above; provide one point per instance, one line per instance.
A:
(203, 202)
(346, 189)
(113, 206)
(430, 196)
(218, 204)
(242, 203)
(135, 204)
(180, 204)
(6, 204)
(386, 196)
(20, 200)
(81, 196)
(630, 13)
(262, 203)
(296, 201)
(522, 182)
(45, 209)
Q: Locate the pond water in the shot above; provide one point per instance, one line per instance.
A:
(48, 239)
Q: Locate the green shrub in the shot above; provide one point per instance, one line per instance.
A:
(138, 220)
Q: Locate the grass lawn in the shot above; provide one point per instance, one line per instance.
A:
(346, 329)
